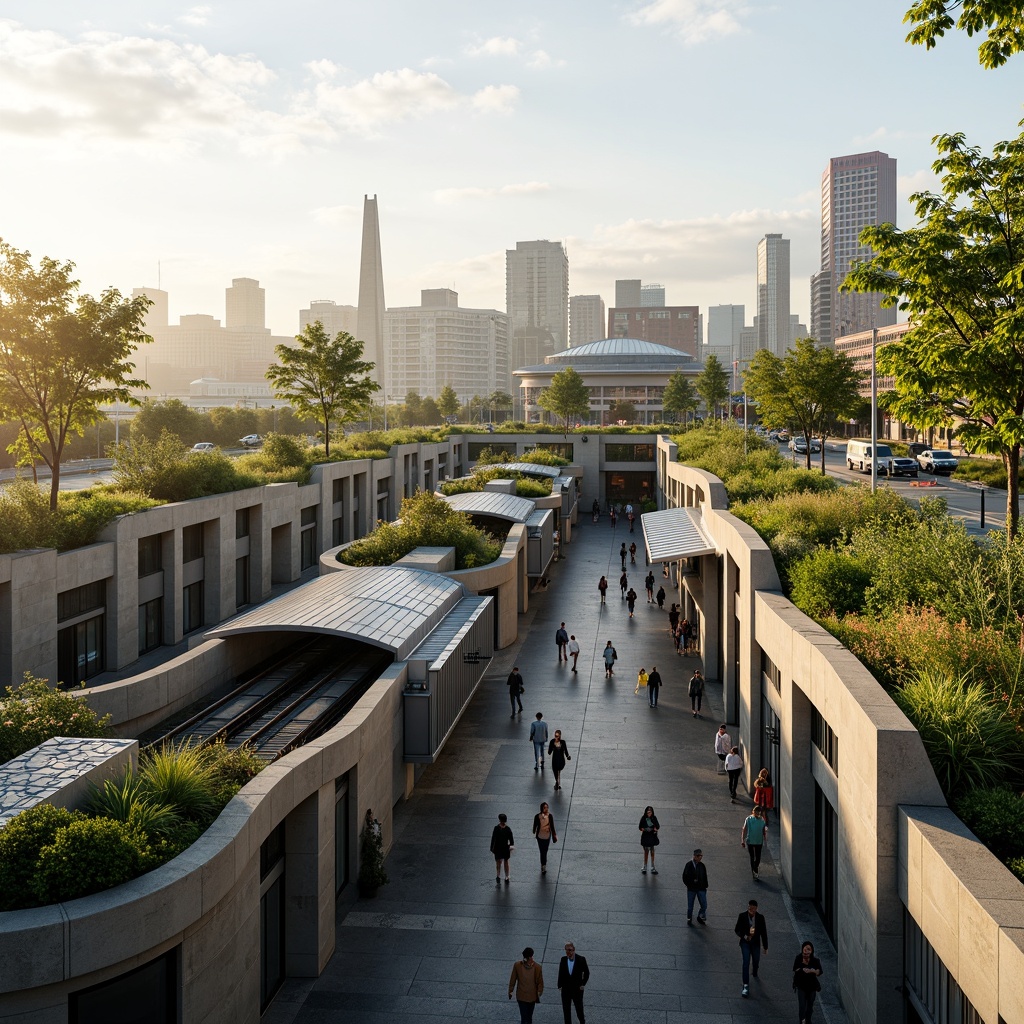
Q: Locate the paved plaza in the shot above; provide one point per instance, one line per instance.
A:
(437, 944)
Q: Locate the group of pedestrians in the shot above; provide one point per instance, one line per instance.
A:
(526, 983)
(556, 748)
(651, 681)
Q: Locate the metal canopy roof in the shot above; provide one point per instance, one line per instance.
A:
(534, 468)
(445, 640)
(392, 608)
(675, 533)
(492, 503)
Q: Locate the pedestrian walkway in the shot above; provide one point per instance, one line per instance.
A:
(438, 943)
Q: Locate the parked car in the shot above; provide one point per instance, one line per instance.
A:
(251, 441)
(798, 445)
(916, 448)
(938, 461)
(203, 446)
(815, 444)
(902, 466)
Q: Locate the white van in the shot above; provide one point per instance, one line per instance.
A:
(858, 456)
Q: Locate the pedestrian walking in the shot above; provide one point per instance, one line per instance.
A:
(733, 765)
(649, 587)
(641, 680)
(622, 555)
(806, 972)
(544, 833)
(631, 601)
(629, 508)
(684, 634)
(677, 639)
(695, 688)
(649, 826)
(693, 638)
(527, 982)
(632, 552)
(559, 753)
(573, 975)
(753, 835)
(632, 519)
(723, 744)
(764, 792)
(515, 690)
(602, 588)
(612, 516)
(695, 878)
(502, 845)
(539, 739)
(610, 656)
(661, 597)
(673, 618)
(753, 932)
(653, 686)
(623, 583)
(596, 510)
(574, 647)
(562, 642)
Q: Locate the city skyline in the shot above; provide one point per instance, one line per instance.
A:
(213, 144)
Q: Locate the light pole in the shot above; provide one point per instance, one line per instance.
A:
(874, 411)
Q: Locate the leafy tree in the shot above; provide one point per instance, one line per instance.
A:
(430, 413)
(174, 416)
(323, 380)
(680, 395)
(499, 400)
(62, 354)
(712, 384)
(448, 402)
(810, 386)
(1002, 20)
(566, 397)
(960, 276)
(622, 412)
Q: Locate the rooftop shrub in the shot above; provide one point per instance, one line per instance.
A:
(526, 486)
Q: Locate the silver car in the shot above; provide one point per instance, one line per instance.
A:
(938, 461)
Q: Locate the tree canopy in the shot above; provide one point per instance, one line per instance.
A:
(62, 354)
(323, 380)
(712, 384)
(810, 387)
(448, 402)
(960, 276)
(680, 395)
(1002, 22)
(566, 397)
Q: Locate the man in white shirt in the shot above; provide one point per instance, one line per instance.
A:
(574, 650)
(723, 744)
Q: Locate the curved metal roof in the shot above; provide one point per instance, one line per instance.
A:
(534, 468)
(675, 533)
(491, 503)
(389, 607)
(617, 348)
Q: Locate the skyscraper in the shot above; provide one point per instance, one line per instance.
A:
(334, 317)
(537, 300)
(773, 294)
(628, 294)
(370, 321)
(245, 306)
(652, 295)
(586, 319)
(856, 191)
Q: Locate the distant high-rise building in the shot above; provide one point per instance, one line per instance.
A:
(675, 326)
(725, 324)
(856, 191)
(334, 317)
(796, 329)
(586, 319)
(370, 321)
(245, 306)
(156, 314)
(537, 300)
(439, 342)
(652, 295)
(628, 294)
(773, 294)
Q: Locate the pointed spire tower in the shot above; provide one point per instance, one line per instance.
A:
(370, 318)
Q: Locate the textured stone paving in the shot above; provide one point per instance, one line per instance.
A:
(438, 942)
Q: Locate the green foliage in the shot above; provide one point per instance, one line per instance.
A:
(990, 472)
(537, 457)
(180, 777)
(425, 520)
(122, 798)
(680, 395)
(21, 840)
(447, 401)
(996, 817)
(969, 741)
(1001, 22)
(323, 379)
(828, 582)
(232, 768)
(32, 713)
(371, 857)
(86, 856)
(566, 397)
(712, 384)
(526, 487)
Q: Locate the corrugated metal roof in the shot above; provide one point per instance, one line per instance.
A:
(492, 503)
(385, 606)
(532, 468)
(675, 533)
(445, 640)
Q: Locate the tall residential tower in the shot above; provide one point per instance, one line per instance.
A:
(773, 294)
(537, 300)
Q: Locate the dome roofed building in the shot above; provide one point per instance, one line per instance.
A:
(617, 371)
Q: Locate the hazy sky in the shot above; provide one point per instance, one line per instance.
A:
(657, 138)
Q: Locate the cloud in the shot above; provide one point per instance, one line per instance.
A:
(496, 46)
(543, 59)
(448, 196)
(196, 15)
(694, 21)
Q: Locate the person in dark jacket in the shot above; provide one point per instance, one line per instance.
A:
(695, 878)
(806, 972)
(695, 688)
(660, 597)
(753, 932)
(649, 826)
(502, 844)
(544, 833)
(631, 601)
(558, 751)
(653, 686)
(573, 975)
(562, 641)
(649, 586)
(515, 689)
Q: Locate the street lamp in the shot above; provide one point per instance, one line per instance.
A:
(874, 411)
